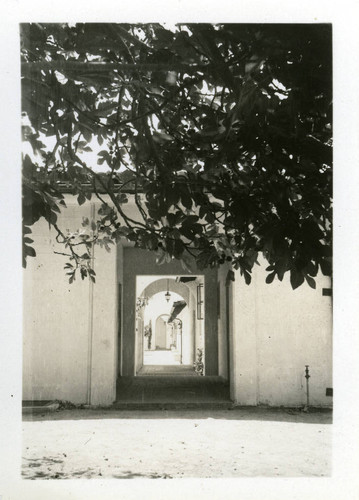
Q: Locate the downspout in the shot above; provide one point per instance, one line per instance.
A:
(90, 320)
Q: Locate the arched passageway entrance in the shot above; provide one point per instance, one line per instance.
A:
(141, 265)
(169, 330)
(168, 313)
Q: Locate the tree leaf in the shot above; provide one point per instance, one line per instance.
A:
(161, 257)
(29, 251)
(296, 278)
(247, 277)
(81, 199)
(311, 282)
(270, 277)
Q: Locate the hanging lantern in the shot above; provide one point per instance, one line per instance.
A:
(167, 294)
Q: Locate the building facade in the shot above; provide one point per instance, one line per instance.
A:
(80, 337)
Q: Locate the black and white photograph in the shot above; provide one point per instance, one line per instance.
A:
(178, 282)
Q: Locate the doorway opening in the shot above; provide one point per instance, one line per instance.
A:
(169, 325)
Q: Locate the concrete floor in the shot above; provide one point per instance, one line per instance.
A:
(246, 442)
(168, 370)
(166, 390)
(162, 357)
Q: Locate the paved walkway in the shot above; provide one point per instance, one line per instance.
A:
(169, 391)
(244, 442)
(168, 370)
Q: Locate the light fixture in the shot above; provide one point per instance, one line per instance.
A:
(167, 294)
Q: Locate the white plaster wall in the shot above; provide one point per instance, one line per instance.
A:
(222, 324)
(243, 361)
(105, 328)
(55, 320)
(139, 343)
(276, 332)
(120, 262)
(119, 272)
(187, 336)
(197, 339)
(69, 353)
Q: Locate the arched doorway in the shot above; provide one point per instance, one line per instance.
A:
(168, 330)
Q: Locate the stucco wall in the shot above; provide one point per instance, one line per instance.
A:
(105, 328)
(119, 273)
(276, 331)
(222, 323)
(195, 339)
(70, 347)
(139, 343)
(56, 321)
(188, 335)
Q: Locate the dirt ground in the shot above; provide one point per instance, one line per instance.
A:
(246, 442)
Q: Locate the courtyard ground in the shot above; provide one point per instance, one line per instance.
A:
(242, 442)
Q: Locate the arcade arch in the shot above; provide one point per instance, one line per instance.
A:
(168, 331)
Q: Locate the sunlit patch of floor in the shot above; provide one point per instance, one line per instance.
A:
(176, 444)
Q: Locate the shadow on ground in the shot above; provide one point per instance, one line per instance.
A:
(45, 471)
(312, 416)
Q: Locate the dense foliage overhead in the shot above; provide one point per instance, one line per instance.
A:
(222, 133)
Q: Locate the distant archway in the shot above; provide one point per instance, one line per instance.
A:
(161, 285)
(160, 339)
(169, 332)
